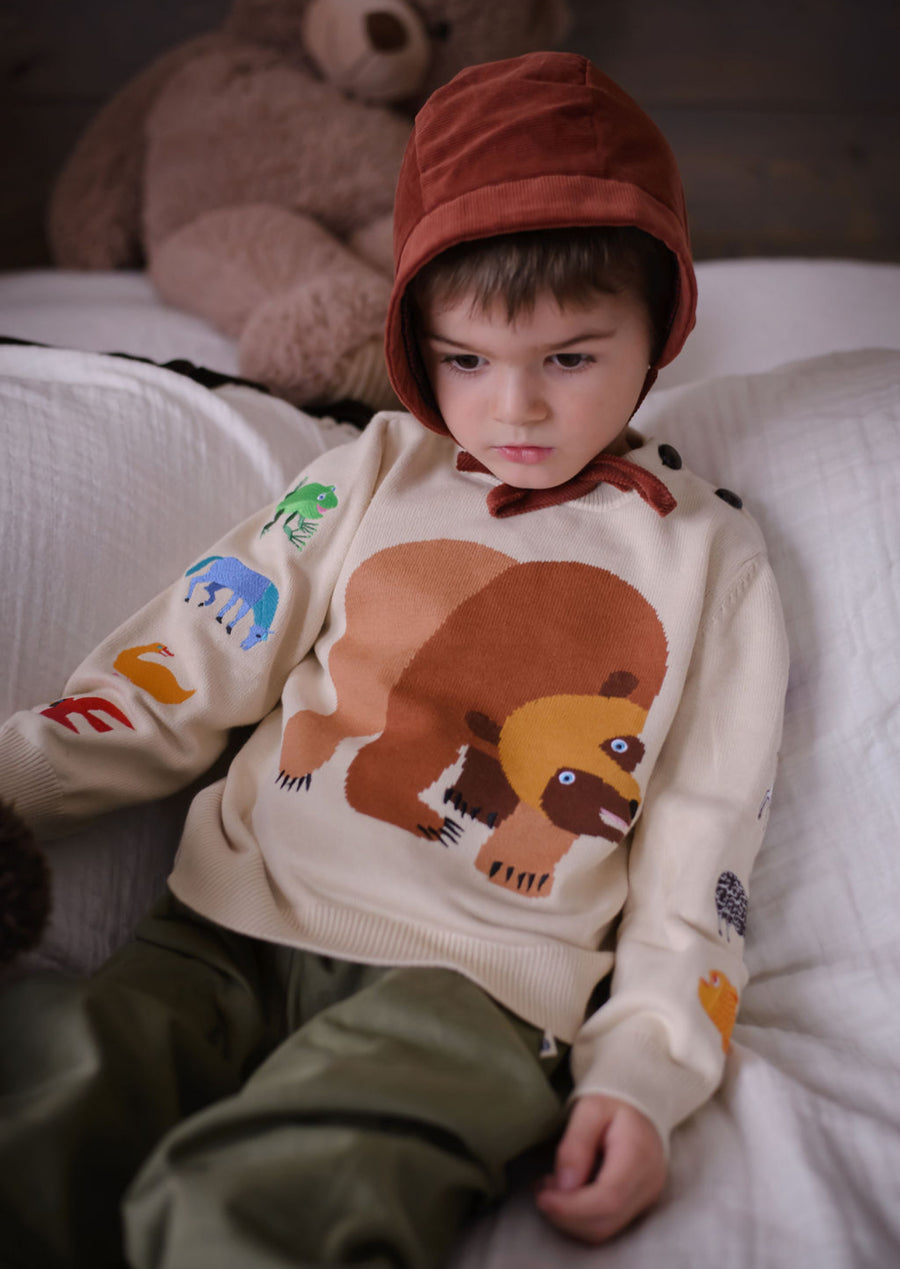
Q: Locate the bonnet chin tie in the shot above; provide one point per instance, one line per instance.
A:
(610, 469)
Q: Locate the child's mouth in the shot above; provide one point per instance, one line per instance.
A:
(523, 453)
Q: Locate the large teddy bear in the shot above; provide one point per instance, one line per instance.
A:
(252, 170)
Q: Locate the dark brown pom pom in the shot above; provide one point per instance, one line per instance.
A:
(24, 886)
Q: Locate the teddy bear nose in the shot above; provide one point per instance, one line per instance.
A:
(386, 32)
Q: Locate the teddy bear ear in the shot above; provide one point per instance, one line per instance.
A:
(619, 683)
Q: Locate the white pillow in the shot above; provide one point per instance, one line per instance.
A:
(814, 449)
(107, 311)
(117, 474)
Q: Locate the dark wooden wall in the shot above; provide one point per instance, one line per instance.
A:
(784, 114)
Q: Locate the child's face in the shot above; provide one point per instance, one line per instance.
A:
(537, 398)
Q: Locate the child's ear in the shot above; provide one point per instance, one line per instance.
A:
(24, 887)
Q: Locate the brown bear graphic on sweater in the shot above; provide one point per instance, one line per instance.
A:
(537, 677)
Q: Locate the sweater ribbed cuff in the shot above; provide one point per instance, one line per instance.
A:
(28, 783)
(633, 1064)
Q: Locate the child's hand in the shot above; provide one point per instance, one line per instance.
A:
(593, 1204)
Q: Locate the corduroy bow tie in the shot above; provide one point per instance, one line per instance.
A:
(610, 469)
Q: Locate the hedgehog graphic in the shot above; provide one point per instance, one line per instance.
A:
(731, 904)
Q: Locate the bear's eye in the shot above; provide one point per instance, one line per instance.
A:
(626, 751)
(566, 777)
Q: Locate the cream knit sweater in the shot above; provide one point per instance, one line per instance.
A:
(524, 748)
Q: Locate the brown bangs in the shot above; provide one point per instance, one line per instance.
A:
(573, 265)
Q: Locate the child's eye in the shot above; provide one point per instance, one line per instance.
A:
(571, 361)
(466, 362)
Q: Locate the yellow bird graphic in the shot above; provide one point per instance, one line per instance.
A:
(720, 1000)
(154, 678)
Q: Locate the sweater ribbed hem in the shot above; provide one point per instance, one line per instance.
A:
(546, 984)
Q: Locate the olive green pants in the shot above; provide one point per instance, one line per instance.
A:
(209, 1100)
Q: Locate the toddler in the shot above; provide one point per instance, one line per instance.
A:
(476, 879)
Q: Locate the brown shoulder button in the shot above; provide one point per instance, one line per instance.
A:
(733, 499)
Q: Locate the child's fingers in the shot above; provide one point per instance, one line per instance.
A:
(593, 1212)
(578, 1151)
(630, 1179)
(597, 1211)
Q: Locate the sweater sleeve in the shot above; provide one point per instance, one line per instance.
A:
(152, 707)
(661, 1039)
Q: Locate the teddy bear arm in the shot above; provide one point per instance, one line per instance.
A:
(94, 215)
(308, 314)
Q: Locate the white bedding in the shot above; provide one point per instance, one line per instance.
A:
(115, 473)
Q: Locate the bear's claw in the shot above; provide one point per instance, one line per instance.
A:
(287, 781)
(523, 881)
(448, 834)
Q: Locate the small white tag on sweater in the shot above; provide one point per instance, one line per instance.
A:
(548, 1046)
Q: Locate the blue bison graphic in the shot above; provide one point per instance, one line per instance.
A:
(252, 591)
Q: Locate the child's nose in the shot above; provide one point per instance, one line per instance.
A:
(518, 399)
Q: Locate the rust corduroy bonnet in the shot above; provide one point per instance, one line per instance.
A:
(535, 142)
